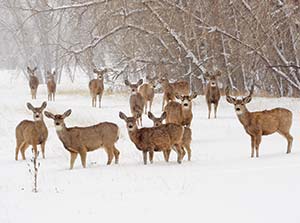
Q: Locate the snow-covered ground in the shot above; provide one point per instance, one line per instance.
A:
(221, 183)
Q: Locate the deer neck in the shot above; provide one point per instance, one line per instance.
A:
(244, 118)
(40, 123)
(133, 135)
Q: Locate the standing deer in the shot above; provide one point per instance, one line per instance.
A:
(33, 81)
(96, 86)
(187, 133)
(262, 123)
(147, 92)
(80, 140)
(155, 139)
(32, 132)
(180, 87)
(212, 93)
(136, 101)
(51, 85)
(180, 113)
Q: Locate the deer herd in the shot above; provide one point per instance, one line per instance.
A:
(170, 131)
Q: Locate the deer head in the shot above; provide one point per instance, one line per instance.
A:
(134, 87)
(37, 111)
(186, 100)
(213, 78)
(100, 73)
(130, 121)
(239, 104)
(30, 71)
(59, 120)
(157, 121)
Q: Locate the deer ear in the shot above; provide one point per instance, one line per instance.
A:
(67, 113)
(95, 70)
(44, 105)
(247, 99)
(150, 115)
(49, 115)
(140, 82)
(218, 73)
(122, 116)
(230, 100)
(179, 97)
(193, 95)
(163, 115)
(29, 106)
(127, 83)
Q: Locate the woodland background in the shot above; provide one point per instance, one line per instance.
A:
(248, 40)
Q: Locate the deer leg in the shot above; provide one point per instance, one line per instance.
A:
(163, 103)
(72, 160)
(216, 108)
(100, 97)
(145, 107)
(54, 96)
(252, 146)
(151, 154)
(43, 149)
(258, 140)
(82, 154)
(110, 154)
(209, 109)
(18, 147)
(290, 142)
(165, 152)
(150, 104)
(179, 153)
(289, 139)
(35, 151)
(145, 157)
(23, 149)
(187, 146)
(116, 154)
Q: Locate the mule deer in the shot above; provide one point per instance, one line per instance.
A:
(32, 132)
(262, 123)
(51, 85)
(136, 101)
(33, 81)
(96, 87)
(147, 92)
(155, 139)
(180, 113)
(212, 93)
(180, 87)
(187, 133)
(80, 140)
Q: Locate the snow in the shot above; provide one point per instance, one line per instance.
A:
(221, 183)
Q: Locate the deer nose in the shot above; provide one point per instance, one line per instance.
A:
(37, 116)
(185, 104)
(56, 123)
(238, 109)
(130, 126)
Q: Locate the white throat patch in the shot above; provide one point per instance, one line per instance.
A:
(239, 112)
(58, 128)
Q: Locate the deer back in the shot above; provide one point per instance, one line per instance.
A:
(268, 121)
(91, 137)
(174, 113)
(136, 102)
(147, 91)
(33, 82)
(181, 87)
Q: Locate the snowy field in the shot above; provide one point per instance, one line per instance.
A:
(221, 183)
